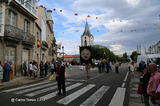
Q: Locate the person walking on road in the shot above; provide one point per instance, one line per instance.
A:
(116, 66)
(41, 69)
(88, 66)
(30, 69)
(99, 67)
(52, 68)
(46, 68)
(1, 73)
(107, 67)
(70, 67)
(61, 78)
(110, 65)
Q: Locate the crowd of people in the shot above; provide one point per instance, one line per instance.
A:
(149, 81)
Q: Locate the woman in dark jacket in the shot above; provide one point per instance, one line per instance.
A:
(145, 79)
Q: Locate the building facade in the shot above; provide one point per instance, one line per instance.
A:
(154, 49)
(87, 39)
(17, 32)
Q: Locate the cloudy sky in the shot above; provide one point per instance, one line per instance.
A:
(122, 24)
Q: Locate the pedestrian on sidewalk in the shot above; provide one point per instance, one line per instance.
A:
(35, 70)
(46, 68)
(153, 82)
(41, 69)
(1, 73)
(7, 69)
(132, 69)
(145, 80)
(116, 66)
(88, 66)
(110, 65)
(129, 66)
(99, 67)
(107, 67)
(52, 68)
(25, 68)
(70, 67)
(12, 71)
(30, 68)
(61, 78)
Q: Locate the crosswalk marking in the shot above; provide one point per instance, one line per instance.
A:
(74, 80)
(43, 90)
(14, 89)
(75, 95)
(31, 89)
(91, 101)
(118, 97)
(51, 95)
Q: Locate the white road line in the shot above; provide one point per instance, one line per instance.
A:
(51, 95)
(74, 80)
(43, 90)
(92, 100)
(118, 97)
(35, 88)
(75, 95)
(97, 76)
(126, 76)
(14, 89)
(123, 85)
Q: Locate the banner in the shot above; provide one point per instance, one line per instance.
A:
(85, 55)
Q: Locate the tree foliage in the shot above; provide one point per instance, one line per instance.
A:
(134, 55)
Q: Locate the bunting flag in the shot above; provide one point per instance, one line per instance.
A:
(54, 9)
(88, 16)
(139, 22)
(97, 30)
(146, 24)
(77, 31)
(33, 7)
(121, 21)
(62, 32)
(60, 10)
(120, 30)
(59, 46)
(96, 17)
(134, 30)
(36, 7)
(131, 30)
(76, 14)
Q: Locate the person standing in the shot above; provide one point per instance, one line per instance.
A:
(41, 69)
(61, 78)
(70, 67)
(135, 66)
(132, 69)
(7, 69)
(35, 70)
(46, 68)
(116, 66)
(1, 73)
(153, 82)
(107, 67)
(25, 68)
(99, 67)
(88, 66)
(129, 66)
(52, 68)
(110, 65)
(145, 79)
(12, 71)
(30, 69)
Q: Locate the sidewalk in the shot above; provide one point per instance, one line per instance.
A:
(135, 98)
(19, 81)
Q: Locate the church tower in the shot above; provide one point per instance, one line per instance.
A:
(87, 38)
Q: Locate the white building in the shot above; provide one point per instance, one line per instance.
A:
(87, 38)
(154, 49)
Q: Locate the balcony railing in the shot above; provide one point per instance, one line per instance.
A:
(18, 34)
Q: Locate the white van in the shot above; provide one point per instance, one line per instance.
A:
(154, 58)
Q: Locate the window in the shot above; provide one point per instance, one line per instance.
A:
(26, 26)
(12, 18)
(85, 43)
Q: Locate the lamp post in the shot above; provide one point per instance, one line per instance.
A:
(63, 52)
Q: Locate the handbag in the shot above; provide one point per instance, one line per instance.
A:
(139, 90)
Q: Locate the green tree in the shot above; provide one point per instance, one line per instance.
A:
(134, 55)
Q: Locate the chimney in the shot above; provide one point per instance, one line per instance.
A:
(49, 15)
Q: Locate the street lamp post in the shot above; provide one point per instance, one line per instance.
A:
(63, 52)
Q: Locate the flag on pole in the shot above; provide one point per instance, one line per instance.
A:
(59, 46)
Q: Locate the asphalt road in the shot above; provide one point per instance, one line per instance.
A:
(104, 89)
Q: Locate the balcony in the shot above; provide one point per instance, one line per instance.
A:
(13, 33)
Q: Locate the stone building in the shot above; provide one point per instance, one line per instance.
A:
(17, 32)
(48, 41)
(87, 38)
(154, 49)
